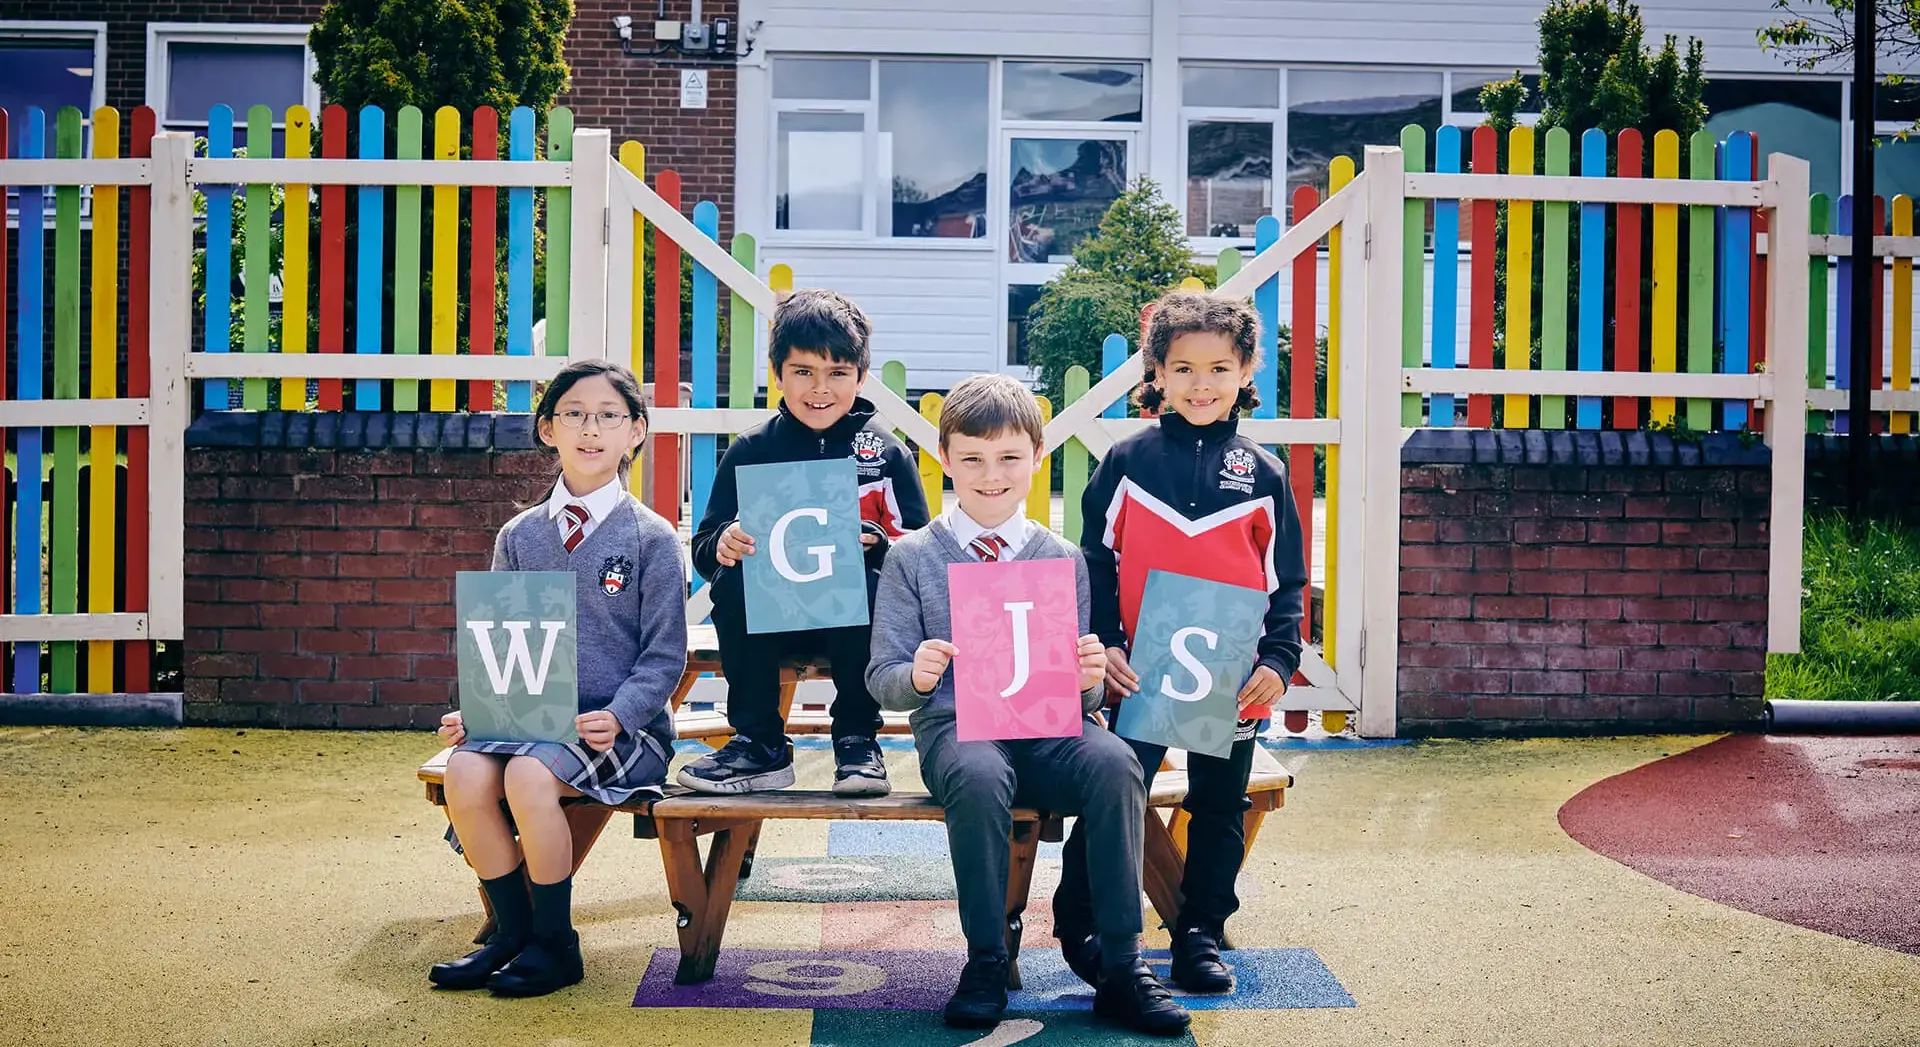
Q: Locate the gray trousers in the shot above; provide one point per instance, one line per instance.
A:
(1095, 776)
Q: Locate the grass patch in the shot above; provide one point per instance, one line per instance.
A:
(1859, 616)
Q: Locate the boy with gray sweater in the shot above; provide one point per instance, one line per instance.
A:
(990, 443)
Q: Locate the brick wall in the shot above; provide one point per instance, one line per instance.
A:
(321, 551)
(1567, 583)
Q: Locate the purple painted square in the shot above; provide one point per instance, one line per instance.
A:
(1002, 687)
(918, 980)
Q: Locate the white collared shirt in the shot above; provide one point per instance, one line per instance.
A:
(600, 504)
(1015, 530)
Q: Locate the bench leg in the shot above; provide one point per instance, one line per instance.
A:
(687, 680)
(1026, 843)
(584, 823)
(702, 897)
(1164, 865)
(789, 683)
(746, 860)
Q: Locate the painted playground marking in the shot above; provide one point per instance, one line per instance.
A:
(854, 839)
(891, 878)
(1029, 1029)
(921, 980)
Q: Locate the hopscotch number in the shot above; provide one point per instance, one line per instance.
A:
(822, 877)
(799, 978)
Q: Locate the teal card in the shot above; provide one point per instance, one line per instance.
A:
(806, 571)
(1193, 650)
(518, 650)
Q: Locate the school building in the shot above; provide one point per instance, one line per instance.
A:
(939, 161)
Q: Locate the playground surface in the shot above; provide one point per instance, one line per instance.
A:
(290, 888)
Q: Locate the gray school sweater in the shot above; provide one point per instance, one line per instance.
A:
(632, 607)
(913, 605)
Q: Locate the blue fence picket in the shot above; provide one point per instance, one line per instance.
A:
(1593, 271)
(706, 358)
(219, 266)
(1446, 273)
(369, 326)
(520, 146)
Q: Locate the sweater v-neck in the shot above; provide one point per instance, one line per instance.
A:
(552, 532)
(1035, 544)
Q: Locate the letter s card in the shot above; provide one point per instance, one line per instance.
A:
(806, 571)
(1193, 649)
(1016, 626)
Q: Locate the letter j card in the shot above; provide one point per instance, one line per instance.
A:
(1193, 649)
(1016, 626)
(806, 571)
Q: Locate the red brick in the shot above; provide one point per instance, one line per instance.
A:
(1701, 481)
(489, 490)
(1724, 507)
(1695, 634)
(1585, 659)
(336, 489)
(1747, 661)
(1493, 503)
(1509, 607)
(1623, 634)
(1586, 506)
(333, 590)
(1503, 558)
(1415, 632)
(1418, 531)
(440, 616)
(416, 541)
(1471, 583)
(222, 565)
(1419, 478)
(541, 464)
(1584, 558)
(1732, 610)
(1550, 532)
(1643, 706)
(256, 691)
(1582, 707)
(1751, 585)
(1549, 479)
(1417, 606)
(1570, 608)
(260, 487)
(1416, 583)
(1507, 708)
(472, 543)
(470, 463)
(1664, 507)
(1436, 503)
(1628, 481)
(1432, 707)
(1629, 532)
(377, 566)
(1632, 682)
(256, 590)
(353, 540)
(375, 717)
(256, 640)
(1703, 532)
(414, 591)
(1660, 659)
(336, 641)
(1750, 636)
(415, 692)
(296, 666)
(1506, 656)
(200, 690)
(1476, 530)
(1449, 557)
(1659, 609)
(376, 514)
(1663, 558)
(1551, 633)
(297, 514)
(371, 667)
(222, 514)
(1623, 583)
(1455, 681)
(1549, 583)
(304, 566)
(1693, 683)
(1434, 656)
(413, 489)
(1472, 632)
(1753, 684)
(408, 641)
(222, 616)
(1549, 683)
(1726, 710)
(315, 692)
(377, 463)
(1696, 584)
(275, 540)
(221, 664)
(376, 616)
(428, 667)
(438, 516)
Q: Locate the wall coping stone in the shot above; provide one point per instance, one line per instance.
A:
(364, 430)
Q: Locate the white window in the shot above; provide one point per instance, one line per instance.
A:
(1463, 97)
(192, 67)
(49, 66)
(1234, 127)
(886, 148)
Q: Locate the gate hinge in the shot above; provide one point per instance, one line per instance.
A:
(1363, 648)
(606, 226)
(1366, 242)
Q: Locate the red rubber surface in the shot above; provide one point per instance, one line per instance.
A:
(1823, 832)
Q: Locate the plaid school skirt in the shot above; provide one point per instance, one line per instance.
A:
(632, 768)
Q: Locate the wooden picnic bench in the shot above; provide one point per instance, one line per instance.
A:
(710, 725)
(702, 895)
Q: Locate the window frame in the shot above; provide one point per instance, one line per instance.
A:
(32, 29)
(163, 35)
(1211, 246)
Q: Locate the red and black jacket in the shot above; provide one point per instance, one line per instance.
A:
(1201, 501)
(891, 500)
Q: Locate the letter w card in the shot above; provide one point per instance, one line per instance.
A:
(1193, 649)
(807, 570)
(1016, 625)
(518, 650)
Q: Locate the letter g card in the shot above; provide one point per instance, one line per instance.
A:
(806, 571)
(1193, 650)
(1016, 625)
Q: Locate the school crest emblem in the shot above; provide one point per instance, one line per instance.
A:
(867, 446)
(614, 574)
(1239, 464)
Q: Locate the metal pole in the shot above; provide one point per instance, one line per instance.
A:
(1859, 416)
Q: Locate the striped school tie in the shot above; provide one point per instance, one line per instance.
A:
(987, 547)
(574, 529)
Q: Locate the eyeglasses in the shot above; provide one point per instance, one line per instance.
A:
(604, 419)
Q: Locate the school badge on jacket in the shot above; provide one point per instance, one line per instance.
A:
(614, 574)
(1237, 470)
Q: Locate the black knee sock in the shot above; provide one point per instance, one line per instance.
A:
(553, 911)
(512, 910)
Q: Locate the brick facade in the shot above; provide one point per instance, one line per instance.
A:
(321, 551)
(1570, 583)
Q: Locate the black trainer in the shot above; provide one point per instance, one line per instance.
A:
(1135, 998)
(741, 766)
(859, 769)
(1081, 949)
(1197, 967)
(982, 996)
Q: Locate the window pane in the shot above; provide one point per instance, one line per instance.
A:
(1896, 167)
(1333, 114)
(1060, 189)
(201, 76)
(1213, 85)
(821, 172)
(841, 78)
(1229, 177)
(1020, 299)
(933, 148)
(1466, 91)
(48, 74)
(1072, 91)
(1897, 102)
(1799, 117)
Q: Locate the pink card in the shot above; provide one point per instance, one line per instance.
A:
(1016, 625)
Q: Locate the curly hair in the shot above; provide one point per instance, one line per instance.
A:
(1185, 312)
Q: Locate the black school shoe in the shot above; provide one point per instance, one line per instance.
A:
(544, 966)
(1196, 962)
(1081, 950)
(741, 766)
(1136, 999)
(859, 769)
(982, 996)
(472, 970)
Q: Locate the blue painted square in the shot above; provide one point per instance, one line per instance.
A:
(853, 839)
(1269, 979)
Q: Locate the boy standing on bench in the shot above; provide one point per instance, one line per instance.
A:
(990, 444)
(818, 355)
